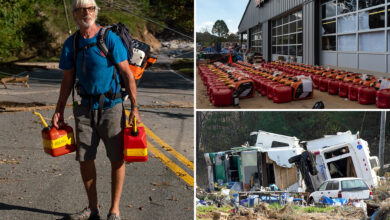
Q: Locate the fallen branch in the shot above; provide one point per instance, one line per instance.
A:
(23, 80)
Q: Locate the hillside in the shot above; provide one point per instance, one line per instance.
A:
(37, 29)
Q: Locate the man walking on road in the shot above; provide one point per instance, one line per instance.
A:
(96, 81)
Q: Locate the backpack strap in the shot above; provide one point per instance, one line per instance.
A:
(76, 37)
(101, 44)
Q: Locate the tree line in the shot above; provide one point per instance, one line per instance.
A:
(31, 28)
(219, 33)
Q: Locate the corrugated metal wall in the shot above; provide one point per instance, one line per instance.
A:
(270, 9)
(309, 27)
(275, 8)
(266, 40)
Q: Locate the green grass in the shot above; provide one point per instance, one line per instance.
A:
(275, 206)
(184, 66)
(212, 208)
(182, 63)
(187, 71)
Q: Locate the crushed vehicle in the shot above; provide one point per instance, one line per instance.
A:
(263, 164)
(336, 156)
(292, 165)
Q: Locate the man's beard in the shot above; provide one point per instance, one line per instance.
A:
(87, 24)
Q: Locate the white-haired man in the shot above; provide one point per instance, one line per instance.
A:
(95, 75)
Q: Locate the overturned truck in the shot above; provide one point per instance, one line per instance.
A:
(336, 156)
(290, 164)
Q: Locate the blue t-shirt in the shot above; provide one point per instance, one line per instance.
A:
(98, 76)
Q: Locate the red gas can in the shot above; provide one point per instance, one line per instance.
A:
(324, 84)
(270, 88)
(263, 87)
(221, 97)
(353, 92)
(366, 95)
(282, 94)
(57, 142)
(343, 89)
(135, 144)
(257, 81)
(333, 87)
(383, 98)
(316, 80)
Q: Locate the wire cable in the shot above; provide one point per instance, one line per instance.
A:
(121, 7)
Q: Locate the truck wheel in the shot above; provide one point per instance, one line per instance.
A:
(294, 159)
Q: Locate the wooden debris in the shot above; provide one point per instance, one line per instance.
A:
(23, 80)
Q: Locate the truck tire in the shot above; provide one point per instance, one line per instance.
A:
(294, 159)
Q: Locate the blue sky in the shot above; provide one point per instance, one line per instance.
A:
(208, 11)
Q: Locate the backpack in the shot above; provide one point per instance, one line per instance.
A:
(139, 56)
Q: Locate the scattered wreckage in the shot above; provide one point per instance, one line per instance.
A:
(291, 165)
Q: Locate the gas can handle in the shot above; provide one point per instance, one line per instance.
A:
(134, 131)
(135, 125)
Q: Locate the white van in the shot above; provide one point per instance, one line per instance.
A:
(347, 188)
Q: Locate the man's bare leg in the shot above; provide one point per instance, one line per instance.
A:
(118, 169)
(88, 173)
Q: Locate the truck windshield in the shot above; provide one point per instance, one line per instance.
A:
(353, 185)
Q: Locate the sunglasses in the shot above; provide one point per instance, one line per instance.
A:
(89, 9)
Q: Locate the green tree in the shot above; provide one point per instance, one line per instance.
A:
(232, 38)
(220, 28)
(176, 14)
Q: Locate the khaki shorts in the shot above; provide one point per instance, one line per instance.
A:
(109, 129)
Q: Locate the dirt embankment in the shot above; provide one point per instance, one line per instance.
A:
(264, 212)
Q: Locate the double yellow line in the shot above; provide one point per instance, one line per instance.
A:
(168, 162)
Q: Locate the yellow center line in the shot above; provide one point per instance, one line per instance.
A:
(176, 169)
(166, 146)
(172, 151)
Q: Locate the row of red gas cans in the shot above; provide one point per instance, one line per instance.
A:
(365, 95)
(219, 94)
(276, 91)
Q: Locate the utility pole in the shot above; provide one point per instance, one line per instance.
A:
(382, 142)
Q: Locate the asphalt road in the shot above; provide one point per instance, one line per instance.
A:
(34, 185)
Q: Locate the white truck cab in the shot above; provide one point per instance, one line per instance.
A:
(343, 155)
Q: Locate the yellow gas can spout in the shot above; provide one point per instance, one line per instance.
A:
(42, 120)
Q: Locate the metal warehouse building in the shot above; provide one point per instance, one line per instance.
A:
(343, 33)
